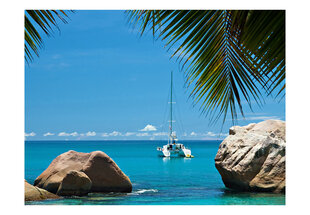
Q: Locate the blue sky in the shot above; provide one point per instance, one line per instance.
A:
(98, 79)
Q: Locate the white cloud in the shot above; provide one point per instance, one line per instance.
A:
(226, 134)
(149, 128)
(48, 134)
(193, 134)
(91, 133)
(142, 134)
(115, 133)
(210, 133)
(112, 134)
(160, 134)
(74, 134)
(32, 134)
(105, 134)
(262, 117)
(64, 134)
(130, 134)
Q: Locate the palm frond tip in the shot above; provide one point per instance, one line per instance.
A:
(229, 55)
(36, 20)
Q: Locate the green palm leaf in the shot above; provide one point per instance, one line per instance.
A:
(44, 20)
(228, 55)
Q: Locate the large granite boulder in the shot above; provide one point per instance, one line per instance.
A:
(252, 158)
(75, 183)
(105, 175)
(33, 193)
(103, 172)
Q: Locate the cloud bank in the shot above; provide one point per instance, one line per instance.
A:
(64, 134)
(48, 134)
(91, 134)
(148, 132)
(32, 134)
(262, 117)
(149, 128)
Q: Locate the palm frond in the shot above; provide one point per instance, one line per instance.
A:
(228, 55)
(39, 19)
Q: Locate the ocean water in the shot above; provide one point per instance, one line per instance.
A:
(156, 180)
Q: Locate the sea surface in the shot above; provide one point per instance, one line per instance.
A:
(156, 180)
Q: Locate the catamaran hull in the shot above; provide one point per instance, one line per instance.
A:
(181, 153)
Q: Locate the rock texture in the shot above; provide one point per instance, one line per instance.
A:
(105, 175)
(33, 193)
(252, 158)
(75, 183)
(103, 172)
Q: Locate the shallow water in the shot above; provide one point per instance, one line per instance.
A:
(156, 180)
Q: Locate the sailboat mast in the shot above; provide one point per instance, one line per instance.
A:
(171, 104)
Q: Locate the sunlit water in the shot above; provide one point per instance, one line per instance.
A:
(156, 180)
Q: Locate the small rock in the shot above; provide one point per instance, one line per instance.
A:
(33, 193)
(75, 183)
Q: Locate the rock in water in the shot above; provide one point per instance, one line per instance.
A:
(103, 172)
(105, 175)
(51, 178)
(75, 183)
(33, 193)
(252, 158)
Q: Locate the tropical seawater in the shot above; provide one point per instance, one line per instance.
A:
(156, 180)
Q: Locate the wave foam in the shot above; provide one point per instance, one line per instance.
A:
(144, 191)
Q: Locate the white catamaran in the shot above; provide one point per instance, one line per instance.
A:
(173, 148)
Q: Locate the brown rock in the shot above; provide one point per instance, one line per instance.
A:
(33, 193)
(75, 183)
(252, 157)
(105, 175)
(103, 172)
(51, 178)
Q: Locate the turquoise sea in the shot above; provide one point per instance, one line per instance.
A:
(156, 180)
